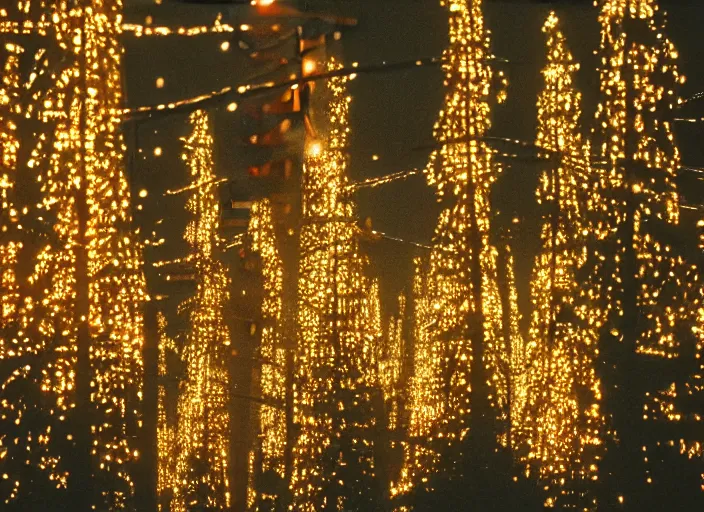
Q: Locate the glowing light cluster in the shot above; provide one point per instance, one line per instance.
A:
(333, 465)
(516, 358)
(269, 452)
(166, 427)
(9, 144)
(461, 356)
(149, 30)
(391, 361)
(641, 291)
(203, 432)
(72, 325)
(562, 414)
(638, 87)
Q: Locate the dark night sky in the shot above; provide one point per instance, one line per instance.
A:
(391, 113)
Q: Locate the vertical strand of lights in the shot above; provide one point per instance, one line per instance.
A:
(203, 432)
(9, 147)
(562, 409)
(465, 357)
(425, 404)
(640, 287)
(265, 488)
(72, 361)
(166, 429)
(391, 365)
(516, 348)
(333, 466)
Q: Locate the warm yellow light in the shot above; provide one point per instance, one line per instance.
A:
(232, 107)
(78, 313)
(457, 290)
(157, 151)
(309, 66)
(225, 46)
(143, 193)
(203, 428)
(314, 149)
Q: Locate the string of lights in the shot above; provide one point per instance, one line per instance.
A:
(383, 180)
(139, 30)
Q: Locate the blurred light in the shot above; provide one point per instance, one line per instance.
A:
(314, 149)
(309, 66)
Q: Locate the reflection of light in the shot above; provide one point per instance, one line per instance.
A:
(314, 149)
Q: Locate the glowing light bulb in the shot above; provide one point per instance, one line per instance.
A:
(314, 149)
(309, 66)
